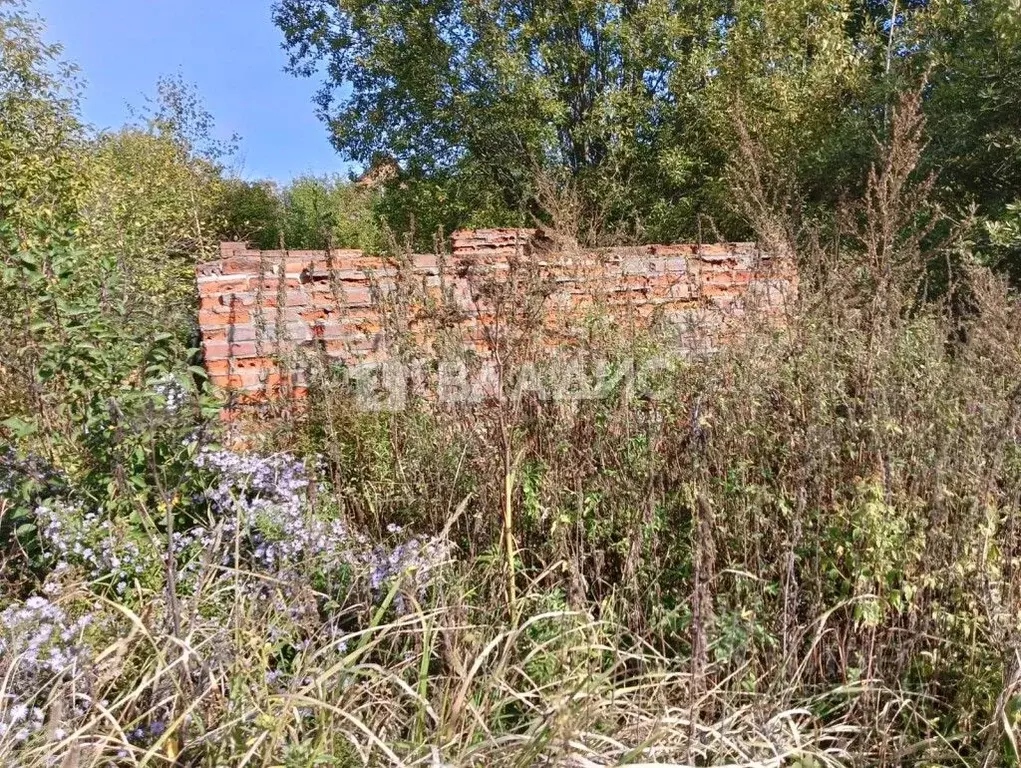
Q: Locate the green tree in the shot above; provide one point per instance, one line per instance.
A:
(88, 323)
(150, 208)
(252, 212)
(41, 147)
(640, 107)
(974, 114)
(311, 212)
(475, 100)
(796, 76)
(98, 239)
(322, 212)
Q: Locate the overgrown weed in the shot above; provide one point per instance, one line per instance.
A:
(801, 550)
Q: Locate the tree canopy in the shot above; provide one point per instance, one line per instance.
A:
(640, 105)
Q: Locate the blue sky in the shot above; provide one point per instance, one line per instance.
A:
(228, 48)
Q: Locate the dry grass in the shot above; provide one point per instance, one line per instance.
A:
(802, 551)
(440, 685)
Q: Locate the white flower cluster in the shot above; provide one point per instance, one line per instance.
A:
(172, 392)
(39, 644)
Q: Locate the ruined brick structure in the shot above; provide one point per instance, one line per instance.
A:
(262, 313)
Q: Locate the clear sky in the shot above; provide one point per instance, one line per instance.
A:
(228, 48)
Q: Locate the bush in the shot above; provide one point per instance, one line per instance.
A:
(802, 550)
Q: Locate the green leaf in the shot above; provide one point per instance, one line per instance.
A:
(20, 427)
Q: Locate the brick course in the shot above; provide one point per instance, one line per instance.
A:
(261, 311)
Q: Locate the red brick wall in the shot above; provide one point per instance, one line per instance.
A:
(262, 313)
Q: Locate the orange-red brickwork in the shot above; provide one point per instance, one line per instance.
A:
(260, 312)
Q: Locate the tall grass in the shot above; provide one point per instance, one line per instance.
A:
(800, 551)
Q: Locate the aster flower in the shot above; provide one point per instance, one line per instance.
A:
(39, 644)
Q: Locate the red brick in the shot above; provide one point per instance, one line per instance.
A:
(217, 367)
(221, 380)
(236, 316)
(231, 248)
(247, 363)
(241, 265)
(223, 285)
(222, 350)
(351, 295)
(271, 284)
(712, 282)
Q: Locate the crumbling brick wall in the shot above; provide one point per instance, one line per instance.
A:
(262, 313)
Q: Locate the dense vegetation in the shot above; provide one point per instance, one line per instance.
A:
(640, 106)
(801, 551)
